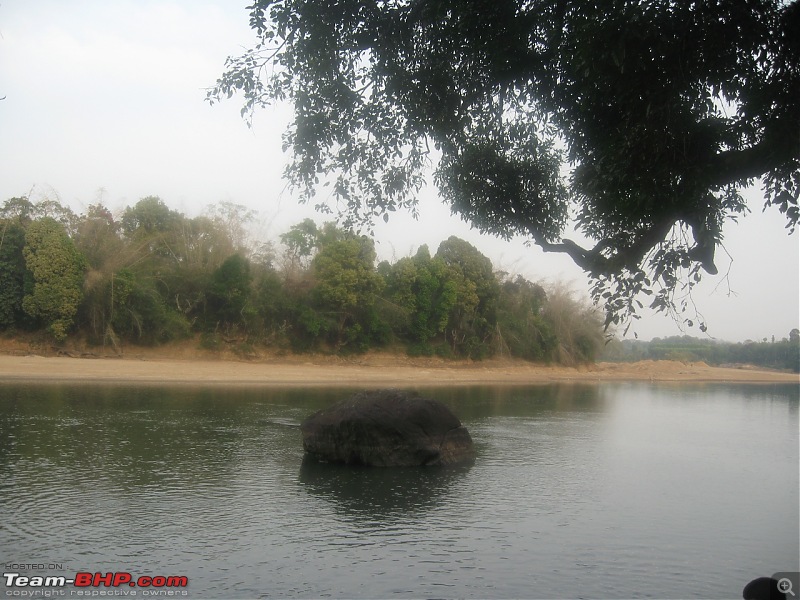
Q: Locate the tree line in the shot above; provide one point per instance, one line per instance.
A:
(767, 352)
(153, 275)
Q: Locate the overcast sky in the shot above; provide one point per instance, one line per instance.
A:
(105, 101)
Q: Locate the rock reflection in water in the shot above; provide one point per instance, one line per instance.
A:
(369, 491)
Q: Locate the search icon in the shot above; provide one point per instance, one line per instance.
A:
(785, 586)
(781, 585)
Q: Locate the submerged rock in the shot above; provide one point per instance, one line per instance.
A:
(387, 428)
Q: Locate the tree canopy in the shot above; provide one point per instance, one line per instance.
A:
(56, 269)
(640, 123)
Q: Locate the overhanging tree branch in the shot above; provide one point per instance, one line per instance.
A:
(634, 91)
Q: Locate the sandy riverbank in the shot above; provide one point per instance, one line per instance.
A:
(374, 370)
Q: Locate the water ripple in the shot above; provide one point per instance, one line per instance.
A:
(560, 502)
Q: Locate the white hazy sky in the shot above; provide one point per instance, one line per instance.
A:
(105, 101)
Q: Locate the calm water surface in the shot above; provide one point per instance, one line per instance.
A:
(610, 491)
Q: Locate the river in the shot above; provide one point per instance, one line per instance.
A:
(604, 491)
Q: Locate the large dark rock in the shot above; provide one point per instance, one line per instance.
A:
(387, 428)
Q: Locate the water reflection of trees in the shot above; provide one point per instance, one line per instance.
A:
(778, 394)
(477, 402)
(131, 437)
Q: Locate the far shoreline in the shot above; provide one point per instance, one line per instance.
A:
(377, 370)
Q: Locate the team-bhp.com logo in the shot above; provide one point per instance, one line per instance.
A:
(157, 585)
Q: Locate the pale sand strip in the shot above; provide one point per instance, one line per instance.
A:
(369, 373)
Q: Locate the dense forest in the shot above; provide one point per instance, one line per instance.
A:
(767, 352)
(152, 275)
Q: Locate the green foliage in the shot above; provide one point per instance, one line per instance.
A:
(448, 299)
(423, 296)
(97, 235)
(19, 210)
(273, 307)
(155, 275)
(12, 273)
(345, 275)
(473, 288)
(139, 313)
(57, 270)
(148, 216)
(180, 255)
(346, 286)
(420, 349)
(522, 329)
(229, 291)
(301, 240)
(648, 118)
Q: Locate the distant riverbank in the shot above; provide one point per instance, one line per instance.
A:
(373, 370)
